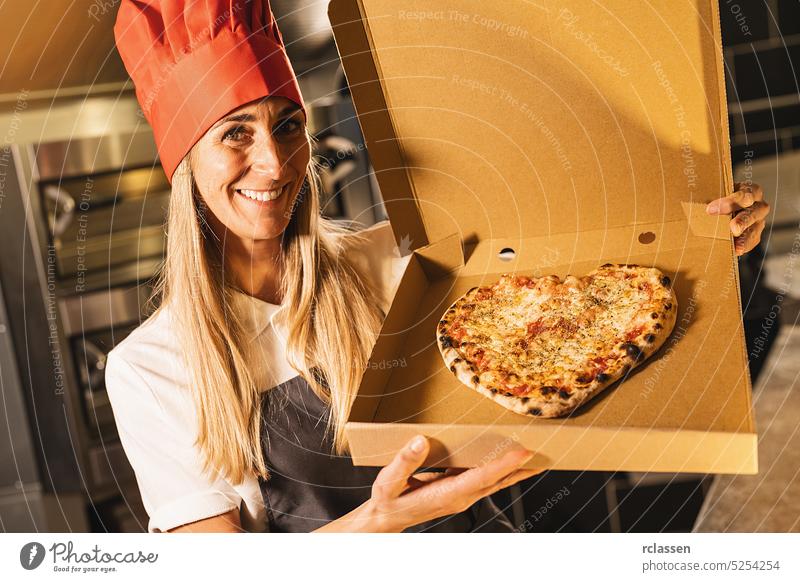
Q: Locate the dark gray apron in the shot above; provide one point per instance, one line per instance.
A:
(309, 486)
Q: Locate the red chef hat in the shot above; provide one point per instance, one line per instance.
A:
(193, 61)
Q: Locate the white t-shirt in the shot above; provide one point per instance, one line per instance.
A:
(148, 387)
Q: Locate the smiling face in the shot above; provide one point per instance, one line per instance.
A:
(250, 166)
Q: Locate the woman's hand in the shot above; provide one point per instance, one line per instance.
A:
(749, 213)
(401, 499)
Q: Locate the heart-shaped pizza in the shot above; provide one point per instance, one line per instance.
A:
(543, 347)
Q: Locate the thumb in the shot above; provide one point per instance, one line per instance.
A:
(393, 478)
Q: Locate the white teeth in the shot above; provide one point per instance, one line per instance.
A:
(261, 195)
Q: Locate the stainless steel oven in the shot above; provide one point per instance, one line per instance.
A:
(82, 228)
(99, 224)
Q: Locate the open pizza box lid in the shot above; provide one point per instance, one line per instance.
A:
(568, 135)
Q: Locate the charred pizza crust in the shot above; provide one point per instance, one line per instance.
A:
(560, 385)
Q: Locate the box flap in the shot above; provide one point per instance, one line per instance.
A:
(688, 409)
(519, 119)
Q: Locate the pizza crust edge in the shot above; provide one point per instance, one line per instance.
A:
(536, 406)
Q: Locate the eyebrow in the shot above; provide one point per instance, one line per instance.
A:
(242, 117)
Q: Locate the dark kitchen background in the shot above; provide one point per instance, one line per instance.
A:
(82, 201)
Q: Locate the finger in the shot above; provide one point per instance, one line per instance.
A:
(758, 192)
(428, 476)
(748, 217)
(393, 478)
(729, 204)
(453, 493)
(748, 240)
(515, 477)
(491, 473)
(421, 479)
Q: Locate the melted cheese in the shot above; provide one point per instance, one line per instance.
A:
(548, 331)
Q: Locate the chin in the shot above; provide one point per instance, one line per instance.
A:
(266, 231)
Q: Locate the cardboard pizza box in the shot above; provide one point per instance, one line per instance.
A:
(539, 138)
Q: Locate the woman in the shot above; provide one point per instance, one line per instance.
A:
(231, 398)
(257, 292)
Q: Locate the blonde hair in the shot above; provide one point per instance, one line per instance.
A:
(332, 319)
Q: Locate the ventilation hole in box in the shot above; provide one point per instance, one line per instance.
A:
(647, 237)
(506, 254)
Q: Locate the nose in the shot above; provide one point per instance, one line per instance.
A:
(269, 159)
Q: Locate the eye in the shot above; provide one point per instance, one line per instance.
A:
(236, 134)
(288, 126)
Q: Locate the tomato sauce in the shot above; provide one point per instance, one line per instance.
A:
(600, 362)
(457, 332)
(634, 333)
(523, 281)
(535, 328)
(521, 389)
(484, 293)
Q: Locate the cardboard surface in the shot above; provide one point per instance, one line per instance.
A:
(572, 134)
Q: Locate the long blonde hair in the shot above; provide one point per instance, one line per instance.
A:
(332, 319)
